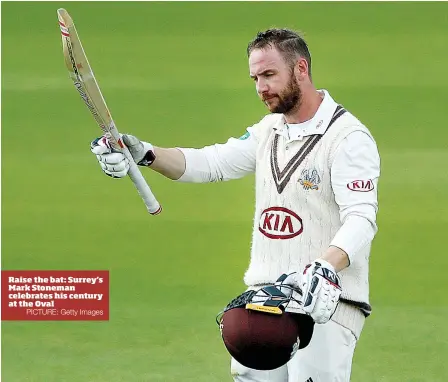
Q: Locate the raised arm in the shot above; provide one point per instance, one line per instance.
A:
(218, 162)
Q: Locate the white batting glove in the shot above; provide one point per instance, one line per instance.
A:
(114, 163)
(321, 288)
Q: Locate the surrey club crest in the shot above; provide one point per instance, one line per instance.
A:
(309, 179)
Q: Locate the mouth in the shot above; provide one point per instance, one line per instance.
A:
(265, 99)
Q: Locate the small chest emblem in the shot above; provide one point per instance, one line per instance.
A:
(309, 179)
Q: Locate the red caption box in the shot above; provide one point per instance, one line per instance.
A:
(55, 295)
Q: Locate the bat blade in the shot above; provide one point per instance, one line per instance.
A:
(85, 83)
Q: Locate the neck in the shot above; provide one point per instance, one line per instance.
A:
(307, 108)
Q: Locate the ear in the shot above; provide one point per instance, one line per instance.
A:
(301, 69)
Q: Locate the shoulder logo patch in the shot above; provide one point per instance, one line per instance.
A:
(245, 136)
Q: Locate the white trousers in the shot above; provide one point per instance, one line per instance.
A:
(327, 358)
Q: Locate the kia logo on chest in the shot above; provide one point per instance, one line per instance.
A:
(280, 223)
(361, 185)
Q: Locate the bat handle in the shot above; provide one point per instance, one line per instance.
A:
(152, 205)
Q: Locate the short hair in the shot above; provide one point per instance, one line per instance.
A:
(288, 42)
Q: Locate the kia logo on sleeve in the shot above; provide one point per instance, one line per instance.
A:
(361, 185)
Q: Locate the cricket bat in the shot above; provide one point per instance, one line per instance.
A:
(85, 83)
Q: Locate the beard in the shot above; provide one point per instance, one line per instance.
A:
(289, 99)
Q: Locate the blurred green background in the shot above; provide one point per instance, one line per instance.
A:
(176, 74)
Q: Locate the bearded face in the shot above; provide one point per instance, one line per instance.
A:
(275, 80)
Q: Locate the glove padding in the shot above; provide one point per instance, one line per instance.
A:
(321, 289)
(114, 163)
(142, 152)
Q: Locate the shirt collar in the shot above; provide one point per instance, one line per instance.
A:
(318, 124)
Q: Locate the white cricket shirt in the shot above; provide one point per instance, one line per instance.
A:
(357, 158)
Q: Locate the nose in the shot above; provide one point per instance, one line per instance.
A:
(262, 86)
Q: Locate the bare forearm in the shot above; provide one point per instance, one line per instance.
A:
(336, 257)
(169, 162)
